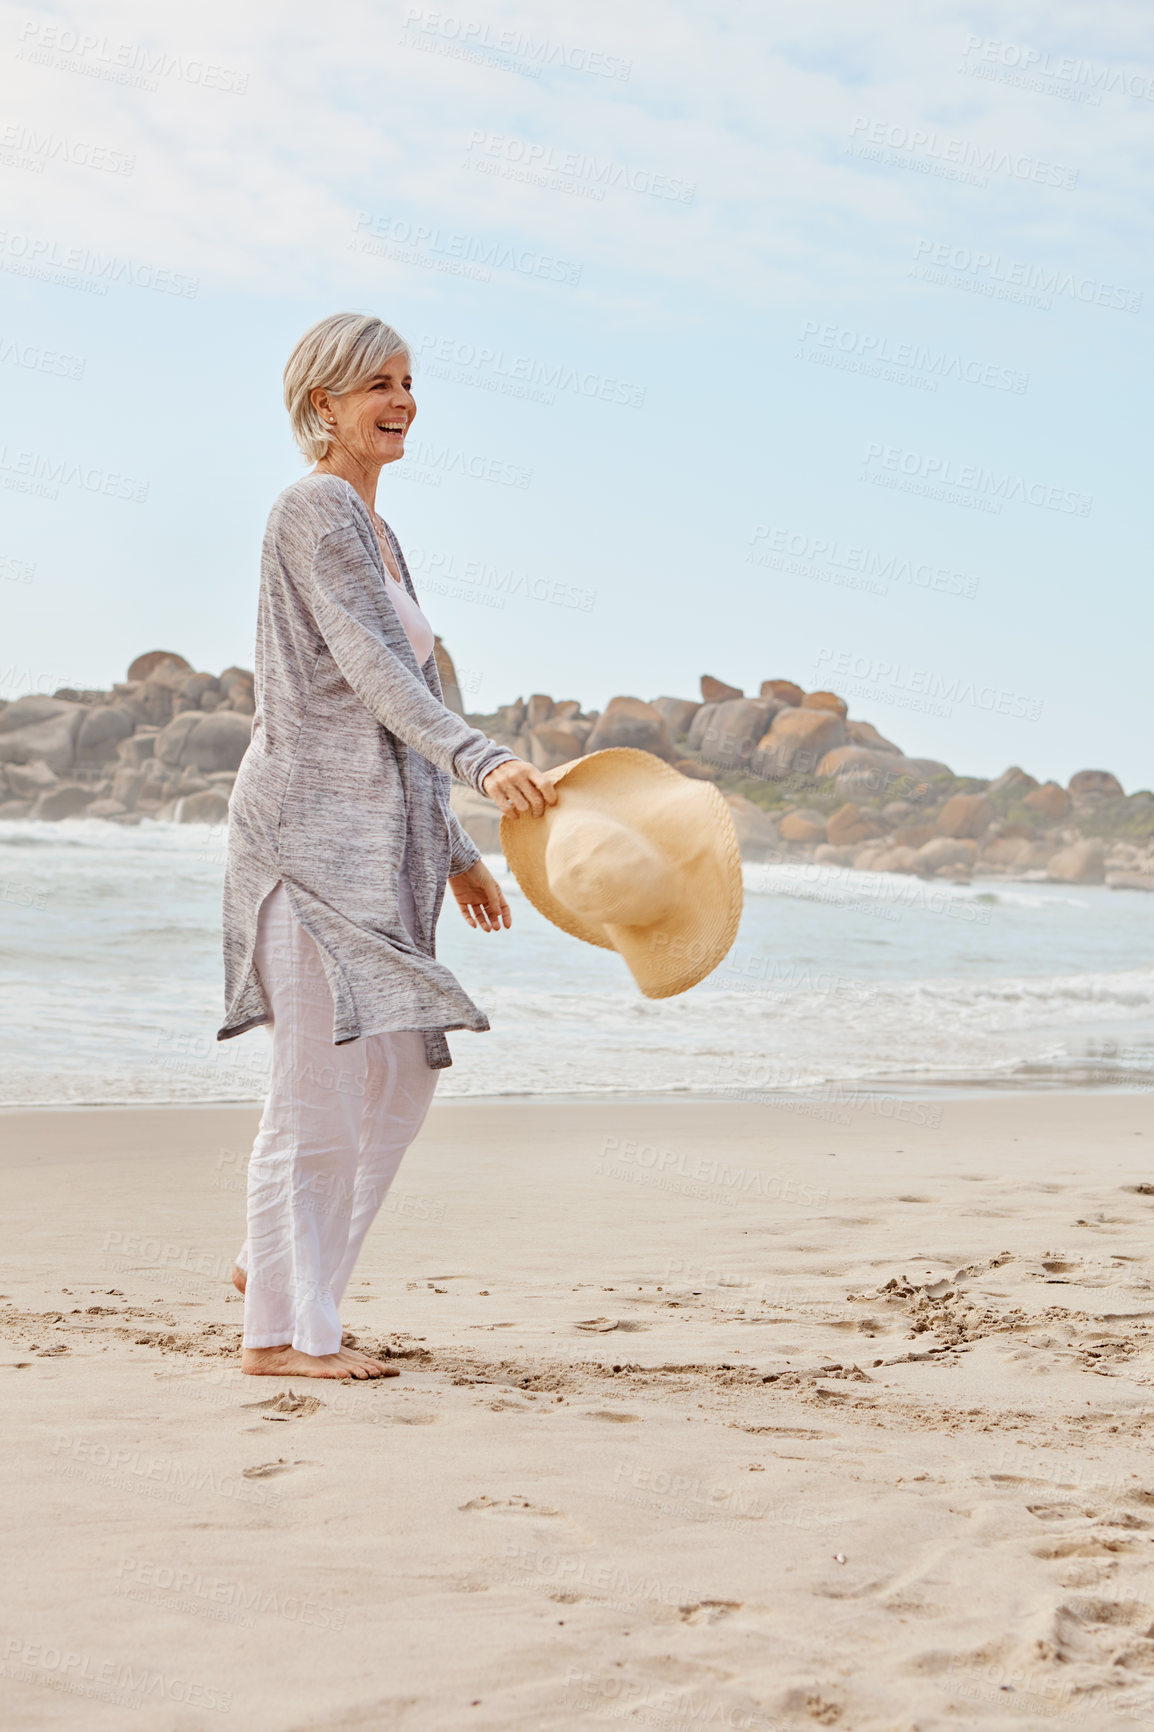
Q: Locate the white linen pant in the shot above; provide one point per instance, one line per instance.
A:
(336, 1124)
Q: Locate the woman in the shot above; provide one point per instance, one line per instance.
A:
(341, 839)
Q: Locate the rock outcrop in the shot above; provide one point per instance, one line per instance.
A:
(782, 691)
(716, 691)
(632, 722)
(966, 815)
(147, 748)
(803, 780)
(731, 732)
(1050, 801)
(447, 673)
(1083, 862)
(678, 712)
(797, 740)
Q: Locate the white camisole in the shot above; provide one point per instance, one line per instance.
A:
(417, 628)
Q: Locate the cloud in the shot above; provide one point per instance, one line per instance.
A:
(768, 116)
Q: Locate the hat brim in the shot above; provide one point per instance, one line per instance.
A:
(688, 820)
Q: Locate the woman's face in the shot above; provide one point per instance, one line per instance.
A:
(370, 423)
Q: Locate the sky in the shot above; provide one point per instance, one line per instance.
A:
(755, 340)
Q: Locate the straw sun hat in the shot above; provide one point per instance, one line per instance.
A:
(637, 858)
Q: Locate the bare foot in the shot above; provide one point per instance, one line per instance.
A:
(377, 1367)
(288, 1362)
(239, 1277)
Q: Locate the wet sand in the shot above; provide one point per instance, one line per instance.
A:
(709, 1415)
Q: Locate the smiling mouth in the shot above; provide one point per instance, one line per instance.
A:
(392, 427)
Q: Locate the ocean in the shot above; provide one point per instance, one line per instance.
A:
(845, 991)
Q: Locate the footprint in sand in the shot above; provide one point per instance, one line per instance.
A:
(517, 1506)
(707, 1611)
(268, 1469)
(288, 1405)
(1087, 1546)
(1110, 1633)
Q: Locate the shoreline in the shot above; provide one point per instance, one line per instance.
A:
(855, 1096)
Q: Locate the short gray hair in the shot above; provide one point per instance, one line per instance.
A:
(338, 354)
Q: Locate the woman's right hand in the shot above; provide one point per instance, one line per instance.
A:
(519, 787)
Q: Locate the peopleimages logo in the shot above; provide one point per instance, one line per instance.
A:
(496, 151)
(973, 478)
(1066, 68)
(877, 351)
(36, 472)
(35, 255)
(1012, 279)
(99, 56)
(769, 541)
(520, 375)
(40, 147)
(482, 41)
(447, 244)
(920, 141)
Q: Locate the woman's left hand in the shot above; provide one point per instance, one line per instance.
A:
(480, 898)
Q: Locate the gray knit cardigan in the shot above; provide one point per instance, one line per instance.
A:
(347, 774)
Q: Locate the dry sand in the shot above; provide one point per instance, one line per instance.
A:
(709, 1416)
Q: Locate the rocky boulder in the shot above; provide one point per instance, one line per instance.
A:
(205, 742)
(538, 710)
(1013, 782)
(128, 784)
(797, 741)
(865, 734)
(29, 781)
(172, 673)
(51, 741)
(947, 854)
(803, 825)
(1014, 851)
(139, 747)
(1081, 863)
(553, 744)
(825, 701)
(28, 712)
(68, 800)
(849, 825)
(203, 807)
(757, 832)
(782, 691)
(144, 666)
(1050, 802)
(1094, 785)
(446, 673)
(101, 732)
(716, 691)
(198, 692)
(731, 735)
(632, 722)
(913, 835)
(896, 858)
(966, 815)
(678, 712)
(699, 724)
(858, 767)
(480, 818)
